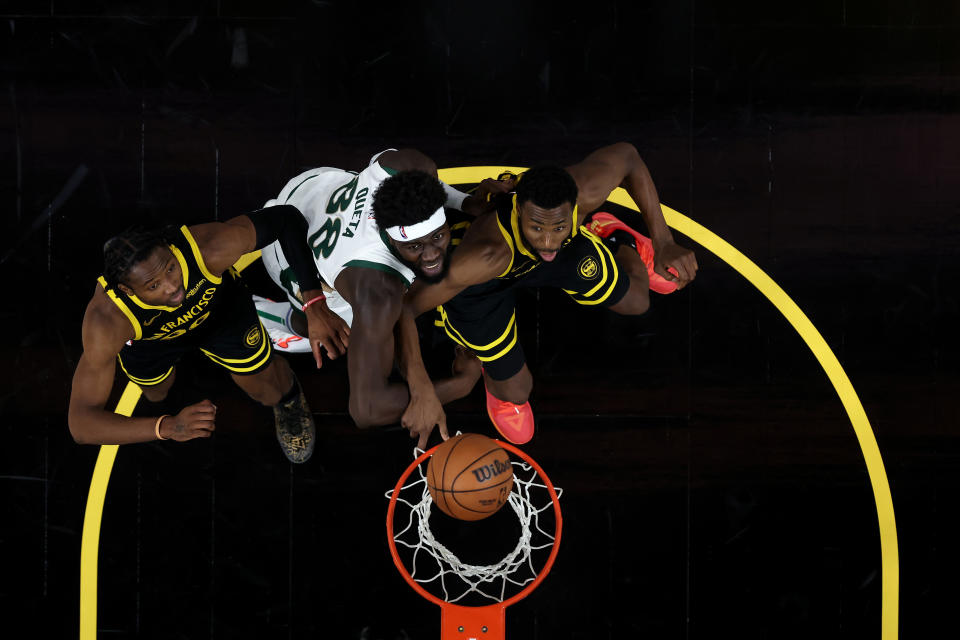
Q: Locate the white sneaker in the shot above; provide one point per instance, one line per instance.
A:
(275, 317)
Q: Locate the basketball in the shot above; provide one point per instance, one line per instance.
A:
(469, 477)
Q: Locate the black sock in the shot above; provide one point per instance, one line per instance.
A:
(292, 393)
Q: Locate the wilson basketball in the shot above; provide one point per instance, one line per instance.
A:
(469, 477)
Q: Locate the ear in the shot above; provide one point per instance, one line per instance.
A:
(127, 290)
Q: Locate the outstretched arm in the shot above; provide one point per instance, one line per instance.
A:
(619, 165)
(222, 244)
(104, 334)
(481, 256)
(410, 159)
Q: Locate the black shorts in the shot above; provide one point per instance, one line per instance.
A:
(232, 337)
(483, 317)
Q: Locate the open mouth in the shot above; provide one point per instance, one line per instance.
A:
(547, 255)
(433, 268)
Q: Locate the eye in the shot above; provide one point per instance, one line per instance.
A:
(438, 236)
(170, 268)
(154, 286)
(538, 228)
(414, 247)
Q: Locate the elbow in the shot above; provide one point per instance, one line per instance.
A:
(77, 432)
(627, 148)
(82, 425)
(362, 412)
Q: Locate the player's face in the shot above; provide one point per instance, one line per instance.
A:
(157, 280)
(545, 230)
(427, 255)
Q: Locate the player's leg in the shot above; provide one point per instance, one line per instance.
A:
(268, 385)
(278, 317)
(637, 299)
(276, 386)
(487, 326)
(239, 343)
(515, 389)
(284, 321)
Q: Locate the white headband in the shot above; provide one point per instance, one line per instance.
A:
(414, 231)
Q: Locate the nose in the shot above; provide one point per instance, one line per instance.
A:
(552, 242)
(430, 253)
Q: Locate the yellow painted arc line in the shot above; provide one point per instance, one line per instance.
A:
(889, 553)
(90, 539)
(890, 563)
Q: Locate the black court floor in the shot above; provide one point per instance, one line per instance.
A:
(714, 483)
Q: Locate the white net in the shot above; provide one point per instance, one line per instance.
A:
(434, 564)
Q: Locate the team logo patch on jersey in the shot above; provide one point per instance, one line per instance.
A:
(588, 268)
(253, 337)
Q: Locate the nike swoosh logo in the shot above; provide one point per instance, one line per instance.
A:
(147, 323)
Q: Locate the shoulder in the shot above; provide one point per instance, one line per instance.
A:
(104, 325)
(484, 238)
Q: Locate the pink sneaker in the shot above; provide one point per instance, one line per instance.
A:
(603, 224)
(513, 421)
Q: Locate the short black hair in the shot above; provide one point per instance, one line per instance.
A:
(407, 198)
(123, 251)
(547, 186)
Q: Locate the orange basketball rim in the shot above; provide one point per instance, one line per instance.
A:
(486, 622)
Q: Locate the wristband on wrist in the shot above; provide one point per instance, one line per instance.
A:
(156, 427)
(312, 300)
(455, 197)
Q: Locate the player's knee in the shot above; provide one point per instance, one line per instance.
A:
(636, 306)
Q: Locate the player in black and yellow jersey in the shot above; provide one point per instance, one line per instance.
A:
(166, 292)
(534, 237)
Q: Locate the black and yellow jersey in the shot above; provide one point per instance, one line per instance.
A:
(522, 258)
(203, 293)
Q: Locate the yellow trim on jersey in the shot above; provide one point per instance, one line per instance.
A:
(184, 271)
(460, 225)
(517, 235)
(145, 382)
(576, 226)
(198, 257)
(230, 363)
(616, 274)
(137, 329)
(448, 328)
(509, 241)
(487, 347)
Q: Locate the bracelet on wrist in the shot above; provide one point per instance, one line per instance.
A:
(156, 427)
(312, 300)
